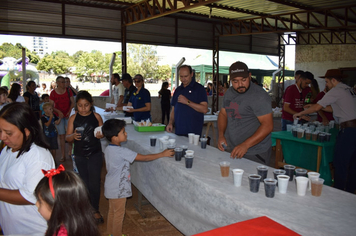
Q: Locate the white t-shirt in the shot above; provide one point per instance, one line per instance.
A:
(342, 101)
(23, 173)
(118, 178)
(118, 90)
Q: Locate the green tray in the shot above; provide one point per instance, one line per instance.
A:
(150, 128)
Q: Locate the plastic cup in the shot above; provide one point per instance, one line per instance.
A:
(307, 134)
(289, 127)
(302, 184)
(165, 144)
(294, 132)
(203, 143)
(300, 172)
(270, 187)
(278, 172)
(316, 186)
(161, 140)
(283, 181)
(327, 137)
(322, 137)
(189, 161)
(300, 133)
(196, 139)
(237, 173)
(289, 171)
(191, 137)
(225, 168)
(80, 130)
(254, 181)
(262, 171)
(315, 136)
(178, 153)
(189, 153)
(312, 175)
(153, 140)
(185, 148)
(171, 146)
(172, 141)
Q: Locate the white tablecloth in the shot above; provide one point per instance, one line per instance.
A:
(199, 199)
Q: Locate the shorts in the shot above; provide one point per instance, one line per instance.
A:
(52, 142)
(62, 126)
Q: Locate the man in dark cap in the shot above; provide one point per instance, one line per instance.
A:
(245, 118)
(341, 100)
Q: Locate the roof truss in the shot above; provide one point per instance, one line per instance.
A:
(151, 9)
(323, 19)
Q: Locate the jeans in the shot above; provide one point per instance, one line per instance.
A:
(116, 215)
(285, 123)
(90, 171)
(345, 160)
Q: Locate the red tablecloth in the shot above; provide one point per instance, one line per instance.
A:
(254, 227)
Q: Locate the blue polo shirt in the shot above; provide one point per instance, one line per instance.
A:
(139, 100)
(187, 120)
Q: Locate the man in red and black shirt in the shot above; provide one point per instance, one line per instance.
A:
(294, 100)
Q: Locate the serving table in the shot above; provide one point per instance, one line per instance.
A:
(308, 154)
(198, 199)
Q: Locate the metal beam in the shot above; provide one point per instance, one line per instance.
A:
(152, 9)
(215, 97)
(281, 64)
(277, 23)
(326, 38)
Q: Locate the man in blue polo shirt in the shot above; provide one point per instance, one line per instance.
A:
(189, 104)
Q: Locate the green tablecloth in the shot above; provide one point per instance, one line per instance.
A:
(303, 153)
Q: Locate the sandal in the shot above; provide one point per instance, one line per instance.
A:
(100, 219)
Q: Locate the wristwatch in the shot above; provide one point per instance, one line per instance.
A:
(188, 102)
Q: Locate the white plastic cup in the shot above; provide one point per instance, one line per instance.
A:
(289, 127)
(302, 184)
(189, 153)
(196, 139)
(191, 137)
(172, 141)
(237, 173)
(283, 181)
(311, 176)
(161, 140)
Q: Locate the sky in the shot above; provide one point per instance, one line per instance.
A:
(167, 55)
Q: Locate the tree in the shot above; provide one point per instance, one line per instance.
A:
(142, 60)
(58, 62)
(15, 51)
(163, 72)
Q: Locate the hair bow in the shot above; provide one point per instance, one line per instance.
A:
(50, 173)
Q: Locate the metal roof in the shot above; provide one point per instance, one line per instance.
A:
(251, 26)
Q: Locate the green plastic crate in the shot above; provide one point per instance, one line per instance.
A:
(150, 128)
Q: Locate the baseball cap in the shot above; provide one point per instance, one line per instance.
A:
(238, 69)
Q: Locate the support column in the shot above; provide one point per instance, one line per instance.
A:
(281, 64)
(123, 45)
(215, 98)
